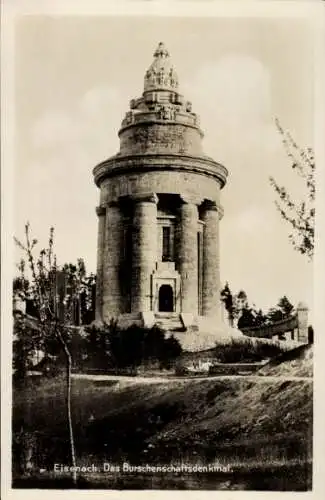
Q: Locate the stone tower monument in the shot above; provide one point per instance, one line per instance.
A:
(159, 212)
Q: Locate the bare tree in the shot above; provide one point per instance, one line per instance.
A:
(299, 214)
(53, 324)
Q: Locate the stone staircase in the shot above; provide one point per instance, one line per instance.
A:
(170, 321)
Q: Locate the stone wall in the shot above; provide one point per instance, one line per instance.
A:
(160, 138)
(125, 288)
(182, 183)
(293, 328)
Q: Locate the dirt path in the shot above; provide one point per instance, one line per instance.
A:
(165, 379)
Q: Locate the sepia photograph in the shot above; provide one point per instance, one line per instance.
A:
(163, 201)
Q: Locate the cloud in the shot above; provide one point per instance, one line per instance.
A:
(238, 113)
(239, 86)
(89, 123)
(251, 221)
(56, 185)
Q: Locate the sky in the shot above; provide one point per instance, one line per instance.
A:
(74, 78)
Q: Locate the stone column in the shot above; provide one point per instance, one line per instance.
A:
(302, 314)
(188, 257)
(144, 251)
(111, 267)
(101, 212)
(211, 270)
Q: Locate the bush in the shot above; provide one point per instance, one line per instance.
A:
(170, 351)
(181, 370)
(247, 351)
(131, 347)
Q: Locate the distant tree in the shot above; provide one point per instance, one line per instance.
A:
(299, 214)
(274, 315)
(247, 319)
(81, 304)
(241, 306)
(20, 285)
(87, 299)
(228, 300)
(239, 309)
(260, 318)
(242, 296)
(76, 293)
(247, 316)
(282, 310)
(285, 306)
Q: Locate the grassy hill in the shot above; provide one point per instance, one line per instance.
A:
(262, 428)
(296, 362)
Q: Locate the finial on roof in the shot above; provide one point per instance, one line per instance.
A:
(161, 51)
(161, 73)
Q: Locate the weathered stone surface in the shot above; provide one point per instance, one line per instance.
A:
(169, 179)
(144, 243)
(187, 257)
(111, 263)
(163, 162)
(205, 333)
(161, 138)
(211, 271)
(302, 315)
(101, 212)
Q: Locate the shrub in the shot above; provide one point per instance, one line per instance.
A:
(170, 351)
(181, 370)
(133, 346)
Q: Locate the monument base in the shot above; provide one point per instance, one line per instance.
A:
(204, 333)
(195, 333)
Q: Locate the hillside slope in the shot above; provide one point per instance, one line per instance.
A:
(296, 362)
(255, 425)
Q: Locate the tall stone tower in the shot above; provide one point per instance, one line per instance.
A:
(159, 212)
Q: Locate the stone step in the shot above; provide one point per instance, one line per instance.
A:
(167, 315)
(168, 322)
(173, 321)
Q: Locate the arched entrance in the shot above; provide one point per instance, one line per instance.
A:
(166, 298)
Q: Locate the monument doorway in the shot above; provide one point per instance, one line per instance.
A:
(166, 299)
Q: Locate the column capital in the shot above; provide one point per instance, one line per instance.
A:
(210, 205)
(144, 197)
(100, 211)
(189, 199)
